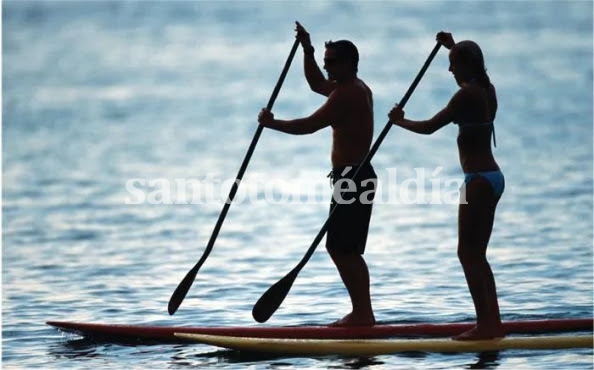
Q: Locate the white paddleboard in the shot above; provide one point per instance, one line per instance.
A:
(372, 347)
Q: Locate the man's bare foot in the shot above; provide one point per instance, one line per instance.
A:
(351, 320)
(481, 333)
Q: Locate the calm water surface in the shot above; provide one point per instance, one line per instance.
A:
(99, 93)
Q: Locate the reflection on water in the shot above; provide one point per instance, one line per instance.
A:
(97, 93)
(486, 360)
(78, 348)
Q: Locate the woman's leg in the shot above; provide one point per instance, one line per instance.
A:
(475, 223)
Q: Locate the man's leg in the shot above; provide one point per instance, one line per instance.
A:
(355, 276)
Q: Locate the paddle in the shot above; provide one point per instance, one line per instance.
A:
(184, 286)
(271, 300)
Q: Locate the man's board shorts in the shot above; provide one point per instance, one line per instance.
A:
(349, 223)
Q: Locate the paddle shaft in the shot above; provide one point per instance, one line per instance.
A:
(272, 299)
(182, 289)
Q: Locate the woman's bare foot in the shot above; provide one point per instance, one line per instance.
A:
(351, 320)
(481, 333)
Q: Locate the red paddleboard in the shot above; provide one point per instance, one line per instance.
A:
(126, 333)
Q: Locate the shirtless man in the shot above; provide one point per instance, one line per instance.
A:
(349, 111)
(473, 108)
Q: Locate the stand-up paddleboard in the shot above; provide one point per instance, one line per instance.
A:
(374, 347)
(137, 333)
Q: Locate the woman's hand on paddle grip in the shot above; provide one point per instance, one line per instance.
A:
(396, 115)
(446, 39)
(266, 117)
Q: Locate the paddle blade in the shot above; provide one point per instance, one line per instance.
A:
(273, 298)
(180, 292)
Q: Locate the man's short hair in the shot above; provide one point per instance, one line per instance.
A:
(345, 51)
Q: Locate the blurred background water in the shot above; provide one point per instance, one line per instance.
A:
(96, 93)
